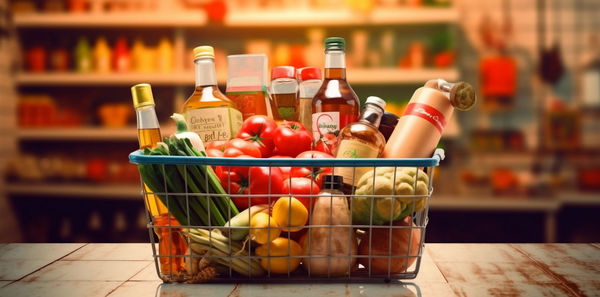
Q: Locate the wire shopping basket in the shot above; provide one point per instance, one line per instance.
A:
(374, 231)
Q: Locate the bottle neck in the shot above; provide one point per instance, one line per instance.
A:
(146, 117)
(205, 72)
(371, 114)
(335, 64)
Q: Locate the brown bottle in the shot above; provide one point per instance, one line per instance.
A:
(420, 128)
(335, 105)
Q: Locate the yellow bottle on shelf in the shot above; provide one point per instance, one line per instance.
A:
(208, 112)
(165, 56)
(102, 56)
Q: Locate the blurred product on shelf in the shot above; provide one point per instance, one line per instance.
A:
(247, 80)
(441, 46)
(388, 123)
(83, 56)
(497, 141)
(59, 59)
(78, 5)
(143, 57)
(53, 6)
(102, 56)
(415, 56)
(360, 39)
(335, 105)
(36, 59)
(498, 76)
(114, 115)
(165, 56)
(208, 112)
(284, 89)
(588, 178)
(121, 56)
(421, 126)
(23, 6)
(281, 54)
(40, 111)
(314, 49)
(309, 82)
(561, 127)
(387, 41)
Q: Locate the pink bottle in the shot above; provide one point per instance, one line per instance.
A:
(421, 126)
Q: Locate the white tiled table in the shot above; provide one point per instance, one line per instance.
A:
(446, 270)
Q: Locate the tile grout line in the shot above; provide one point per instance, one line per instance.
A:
(58, 259)
(121, 284)
(570, 286)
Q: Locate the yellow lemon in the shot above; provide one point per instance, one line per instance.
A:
(264, 228)
(290, 213)
(280, 248)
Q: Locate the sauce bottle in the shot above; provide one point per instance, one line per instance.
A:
(420, 128)
(361, 139)
(208, 112)
(284, 91)
(83, 56)
(121, 56)
(309, 82)
(165, 55)
(335, 105)
(170, 241)
(102, 59)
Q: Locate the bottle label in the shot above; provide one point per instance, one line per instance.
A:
(354, 149)
(304, 113)
(287, 113)
(325, 123)
(218, 123)
(427, 112)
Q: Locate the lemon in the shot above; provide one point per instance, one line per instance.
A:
(264, 228)
(281, 248)
(290, 213)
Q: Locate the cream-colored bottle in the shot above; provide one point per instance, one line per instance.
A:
(421, 126)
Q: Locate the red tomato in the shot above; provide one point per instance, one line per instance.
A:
(237, 147)
(315, 173)
(240, 180)
(260, 131)
(291, 139)
(301, 186)
(214, 153)
(327, 143)
(217, 144)
(285, 171)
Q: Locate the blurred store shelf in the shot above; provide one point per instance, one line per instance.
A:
(356, 76)
(121, 19)
(103, 191)
(493, 204)
(343, 17)
(76, 133)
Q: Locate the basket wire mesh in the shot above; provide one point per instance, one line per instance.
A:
(354, 273)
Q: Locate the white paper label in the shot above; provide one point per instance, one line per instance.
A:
(324, 123)
(218, 123)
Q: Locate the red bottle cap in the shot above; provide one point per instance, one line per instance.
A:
(282, 72)
(307, 73)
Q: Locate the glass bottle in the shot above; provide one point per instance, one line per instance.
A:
(102, 56)
(284, 91)
(335, 105)
(83, 56)
(247, 80)
(208, 112)
(309, 82)
(361, 139)
(170, 241)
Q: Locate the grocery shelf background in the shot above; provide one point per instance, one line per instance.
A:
(486, 146)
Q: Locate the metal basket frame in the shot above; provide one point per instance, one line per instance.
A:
(419, 219)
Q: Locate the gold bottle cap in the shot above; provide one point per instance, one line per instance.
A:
(204, 51)
(142, 95)
(462, 96)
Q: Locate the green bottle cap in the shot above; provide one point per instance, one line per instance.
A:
(335, 43)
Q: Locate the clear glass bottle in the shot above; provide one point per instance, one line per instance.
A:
(335, 105)
(361, 139)
(284, 91)
(208, 112)
(170, 241)
(309, 82)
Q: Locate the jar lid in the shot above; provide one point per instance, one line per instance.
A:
(204, 51)
(333, 181)
(335, 43)
(283, 72)
(389, 119)
(307, 73)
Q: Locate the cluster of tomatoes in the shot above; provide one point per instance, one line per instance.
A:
(261, 137)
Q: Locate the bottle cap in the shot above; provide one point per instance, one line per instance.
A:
(204, 51)
(333, 181)
(142, 95)
(462, 96)
(377, 101)
(335, 43)
(282, 72)
(307, 73)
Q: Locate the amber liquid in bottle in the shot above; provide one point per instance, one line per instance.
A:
(286, 106)
(170, 241)
(361, 139)
(335, 105)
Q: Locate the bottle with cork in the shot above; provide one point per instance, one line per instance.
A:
(421, 126)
